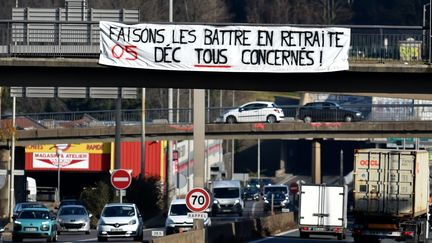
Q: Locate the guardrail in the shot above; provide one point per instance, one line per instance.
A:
(372, 113)
(81, 39)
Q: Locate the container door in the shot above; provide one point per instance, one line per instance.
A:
(333, 206)
(400, 192)
(309, 205)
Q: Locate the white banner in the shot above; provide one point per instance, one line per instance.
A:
(280, 49)
(67, 160)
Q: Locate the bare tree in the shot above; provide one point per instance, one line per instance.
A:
(298, 12)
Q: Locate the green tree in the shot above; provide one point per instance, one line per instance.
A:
(95, 198)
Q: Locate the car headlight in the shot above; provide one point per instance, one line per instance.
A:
(169, 222)
(266, 201)
(59, 220)
(358, 113)
(17, 222)
(44, 227)
(237, 201)
(101, 222)
(133, 221)
(215, 202)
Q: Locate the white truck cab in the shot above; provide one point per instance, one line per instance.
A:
(227, 197)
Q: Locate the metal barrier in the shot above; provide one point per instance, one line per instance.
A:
(369, 113)
(81, 39)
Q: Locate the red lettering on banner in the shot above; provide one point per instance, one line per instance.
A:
(366, 162)
(130, 49)
(94, 147)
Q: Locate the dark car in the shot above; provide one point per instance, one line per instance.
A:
(278, 198)
(251, 193)
(327, 111)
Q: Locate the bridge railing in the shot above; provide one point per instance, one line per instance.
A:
(369, 113)
(81, 39)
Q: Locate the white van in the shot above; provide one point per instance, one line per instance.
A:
(31, 189)
(227, 197)
(177, 219)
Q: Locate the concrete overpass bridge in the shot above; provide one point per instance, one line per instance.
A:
(284, 130)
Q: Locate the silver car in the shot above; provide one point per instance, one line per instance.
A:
(73, 218)
(120, 220)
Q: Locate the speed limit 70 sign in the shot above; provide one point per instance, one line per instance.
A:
(197, 200)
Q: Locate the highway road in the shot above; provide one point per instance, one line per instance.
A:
(252, 209)
(293, 236)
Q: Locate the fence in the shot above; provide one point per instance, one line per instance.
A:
(21, 38)
(369, 113)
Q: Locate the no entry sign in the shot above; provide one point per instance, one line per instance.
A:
(197, 200)
(121, 179)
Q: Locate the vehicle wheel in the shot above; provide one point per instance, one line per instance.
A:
(307, 119)
(348, 118)
(340, 237)
(231, 120)
(16, 239)
(271, 119)
(102, 239)
(304, 235)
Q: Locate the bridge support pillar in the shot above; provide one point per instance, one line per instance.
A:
(316, 161)
(283, 159)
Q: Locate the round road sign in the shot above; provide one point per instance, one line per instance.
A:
(121, 179)
(197, 200)
(294, 188)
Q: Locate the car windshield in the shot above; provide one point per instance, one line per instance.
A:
(226, 192)
(118, 211)
(71, 202)
(32, 205)
(34, 214)
(276, 189)
(179, 209)
(250, 190)
(73, 211)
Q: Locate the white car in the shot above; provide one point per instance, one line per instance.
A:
(257, 111)
(120, 220)
(177, 219)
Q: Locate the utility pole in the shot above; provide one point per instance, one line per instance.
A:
(12, 167)
(143, 132)
(259, 159)
(199, 140)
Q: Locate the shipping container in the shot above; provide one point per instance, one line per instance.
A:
(391, 182)
(391, 195)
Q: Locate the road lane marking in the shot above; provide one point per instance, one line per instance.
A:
(272, 237)
(92, 239)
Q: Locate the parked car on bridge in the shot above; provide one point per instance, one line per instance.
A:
(34, 223)
(327, 112)
(73, 218)
(120, 220)
(257, 111)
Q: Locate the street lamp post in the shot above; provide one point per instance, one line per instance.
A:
(59, 152)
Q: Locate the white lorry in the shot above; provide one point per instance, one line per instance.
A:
(391, 195)
(323, 210)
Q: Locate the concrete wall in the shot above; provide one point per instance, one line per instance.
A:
(241, 231)
(186, 237)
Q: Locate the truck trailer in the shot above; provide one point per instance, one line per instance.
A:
(391, 193)
(323, 210)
